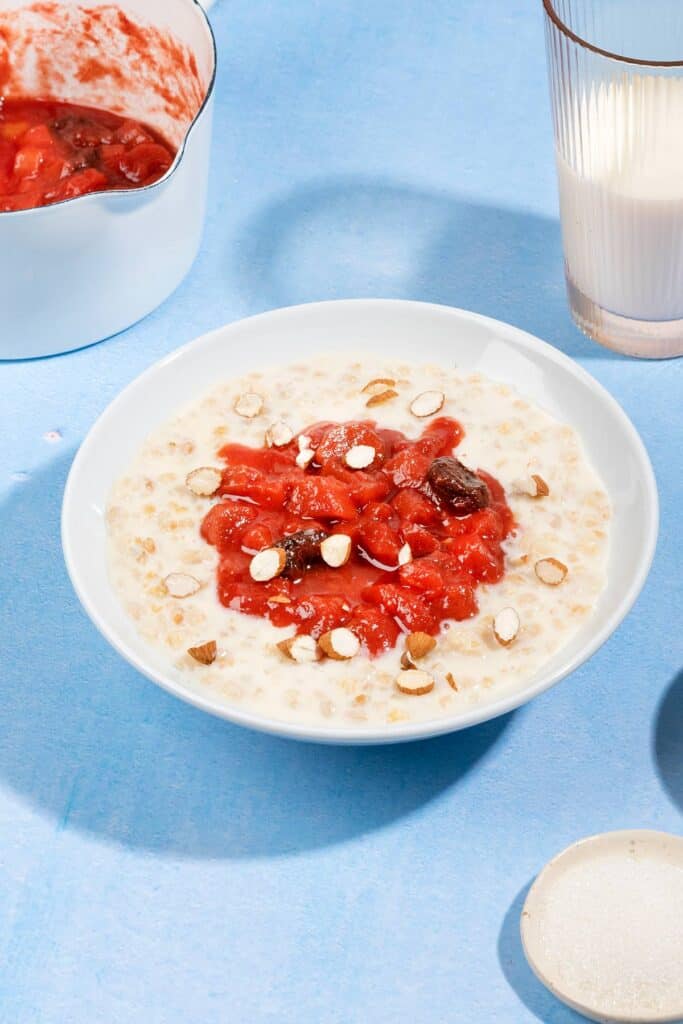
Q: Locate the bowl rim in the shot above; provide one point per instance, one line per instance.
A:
(121, 194)
(387, 733)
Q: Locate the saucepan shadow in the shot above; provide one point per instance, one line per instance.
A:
(668, 740)
(357, 237)
(537, 999)
(97, 748)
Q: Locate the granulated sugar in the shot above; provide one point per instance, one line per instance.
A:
(606, 930)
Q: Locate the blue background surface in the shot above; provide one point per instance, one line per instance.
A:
(161, 867)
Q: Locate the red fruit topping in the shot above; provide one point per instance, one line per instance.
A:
(273, 501)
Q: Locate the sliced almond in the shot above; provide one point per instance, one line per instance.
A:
(205, 654)
(428, 403)
(360, 456)
(336, 550)
(305, 458)
(381, 398)
(551, 571)
(279, 435)
(450, 679)
(415, 682)
(405, 555)
(279, 599)
(506, 626)
(419, 645)
(267, 564)
(534, 486)
(204, 482)
(340, 644)
(179, 584)
(301, 649)
(378, 385)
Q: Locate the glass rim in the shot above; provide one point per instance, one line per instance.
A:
(640, 62)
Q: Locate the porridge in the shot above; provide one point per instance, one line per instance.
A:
(348, 542)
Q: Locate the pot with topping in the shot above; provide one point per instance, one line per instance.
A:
(105, 122)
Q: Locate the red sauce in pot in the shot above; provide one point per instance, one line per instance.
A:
(268, 498)
(52, 151)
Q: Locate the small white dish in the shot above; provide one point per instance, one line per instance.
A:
(410, 330)
(602, 927)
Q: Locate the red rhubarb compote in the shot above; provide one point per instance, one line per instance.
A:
(391, 511)
(52, 151)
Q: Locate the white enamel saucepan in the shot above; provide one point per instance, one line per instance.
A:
(79, 271)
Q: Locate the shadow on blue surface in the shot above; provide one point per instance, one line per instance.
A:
(387, 240)
(98, 748)
(537, 999)
(668, 740)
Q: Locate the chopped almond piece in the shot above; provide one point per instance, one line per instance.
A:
(360, 456)
(506, 626)
(450, 679)
(205, 654)
(249, 406)
(301, 649)
(542, 489)
(305, 458)
(427, 404)
(419, 645)
(381, 398)
(304, 442)
(279, 435)
(415, 682)
(534, 486)
(204, 482)
(405, 555)
(551, 571)
(340, 644)
(378, 385)
(336, 550)
(179, 584)
(407, 662)
(279, 599)
(267, 564)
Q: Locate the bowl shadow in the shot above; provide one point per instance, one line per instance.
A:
(537, 999)
(95, 747)
(354, 237)
(668, 740)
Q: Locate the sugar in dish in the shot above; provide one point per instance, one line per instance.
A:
(602, 927)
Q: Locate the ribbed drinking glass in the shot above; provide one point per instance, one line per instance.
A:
(616, 83)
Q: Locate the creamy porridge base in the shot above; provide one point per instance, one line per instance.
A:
(153, 529)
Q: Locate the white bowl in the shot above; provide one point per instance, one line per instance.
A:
(410, 330)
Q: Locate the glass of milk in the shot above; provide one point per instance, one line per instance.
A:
(616, 83)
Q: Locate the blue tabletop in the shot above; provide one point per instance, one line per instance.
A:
(162, 867)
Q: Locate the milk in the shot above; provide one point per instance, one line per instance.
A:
(621, 196)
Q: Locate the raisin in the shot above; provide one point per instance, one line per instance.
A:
(301, 549)
(457, 486)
